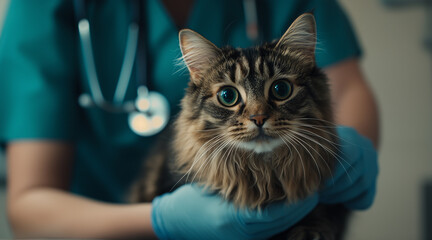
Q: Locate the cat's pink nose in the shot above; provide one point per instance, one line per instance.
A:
(259, 119)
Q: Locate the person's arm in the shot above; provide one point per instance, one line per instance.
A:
(353, 100)
(40, 206)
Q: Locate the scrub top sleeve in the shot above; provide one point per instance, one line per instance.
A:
(335, 34)
(38, 71)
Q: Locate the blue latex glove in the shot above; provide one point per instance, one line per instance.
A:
(191, 213)
(355, 175)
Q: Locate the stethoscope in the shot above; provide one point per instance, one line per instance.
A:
(149, 113)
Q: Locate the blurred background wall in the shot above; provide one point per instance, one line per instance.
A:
(399, 70)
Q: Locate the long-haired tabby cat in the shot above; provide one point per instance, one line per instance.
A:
(255, 127)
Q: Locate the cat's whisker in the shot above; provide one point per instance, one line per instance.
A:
(205, 162)
(188, 172)
(231, 148)
(319, 136)
(202, 151)
(328, 132)
(319, 154)
(318, 143)
(227, 153)
(289, 146)
(211, 158)
(208, 130)
(317, 127)
(300, 156)
(223, 161)
(227, 146)
(336, 136)
(341, 139)
(223, 158)
(319, 120)
(323, 159)
(306, 148)
(321, 127)
(237, 147)
(335, 155)
(286, 141)
(213, 141)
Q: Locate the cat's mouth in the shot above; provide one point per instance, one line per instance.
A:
(261, 143)
(262, 137)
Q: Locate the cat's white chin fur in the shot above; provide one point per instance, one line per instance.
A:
(262, 146)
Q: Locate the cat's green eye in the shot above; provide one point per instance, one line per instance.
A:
(228, 96)
(281, 90)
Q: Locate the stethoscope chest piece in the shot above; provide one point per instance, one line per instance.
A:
(152, 114)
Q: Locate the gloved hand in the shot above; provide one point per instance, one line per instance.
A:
(191, 213)
(356, 171)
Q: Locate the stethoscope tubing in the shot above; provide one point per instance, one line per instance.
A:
(118, 104)
(149, 113)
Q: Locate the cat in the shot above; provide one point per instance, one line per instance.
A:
(256, 127)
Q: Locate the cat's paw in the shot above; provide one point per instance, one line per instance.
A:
(308, 233)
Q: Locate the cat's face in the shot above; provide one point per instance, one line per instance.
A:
(256, 98)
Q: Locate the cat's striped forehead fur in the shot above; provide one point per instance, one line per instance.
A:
(261, 147)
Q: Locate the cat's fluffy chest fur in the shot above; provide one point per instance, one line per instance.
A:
(249, 178)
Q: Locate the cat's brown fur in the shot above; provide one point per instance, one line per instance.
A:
(287, 156)
(289, 172)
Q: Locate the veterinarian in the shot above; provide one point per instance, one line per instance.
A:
(73, 145)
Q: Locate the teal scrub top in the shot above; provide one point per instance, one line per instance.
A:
(41, 73)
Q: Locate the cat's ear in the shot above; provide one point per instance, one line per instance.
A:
(300, 38)
(198, 52)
